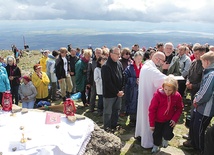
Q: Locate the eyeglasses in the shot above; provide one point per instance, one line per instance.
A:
(161, 59)
(127, 53)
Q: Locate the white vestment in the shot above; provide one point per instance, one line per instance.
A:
(149, 81)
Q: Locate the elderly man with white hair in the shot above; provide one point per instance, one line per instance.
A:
(171, 65)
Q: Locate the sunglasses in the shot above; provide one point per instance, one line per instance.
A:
(127, 53)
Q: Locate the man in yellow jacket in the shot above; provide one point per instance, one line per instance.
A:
(40, 81)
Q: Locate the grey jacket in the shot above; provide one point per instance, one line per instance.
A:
(185, 63)
(28, 90)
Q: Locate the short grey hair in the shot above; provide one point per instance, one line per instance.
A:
(169, 44)
(138, 53)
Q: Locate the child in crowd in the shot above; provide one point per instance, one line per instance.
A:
(164, 111)
(203, 103)
(27, 92)
(98, 83)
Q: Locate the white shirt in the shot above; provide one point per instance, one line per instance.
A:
(98, 80)
(65, 62)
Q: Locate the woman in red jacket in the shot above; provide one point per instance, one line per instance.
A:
(164, 111)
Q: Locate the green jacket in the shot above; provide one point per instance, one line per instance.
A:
(174, 67)
(80, 75)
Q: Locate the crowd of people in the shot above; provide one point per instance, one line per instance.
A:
(139, 83)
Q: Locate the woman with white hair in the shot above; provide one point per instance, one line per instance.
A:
(14, 73)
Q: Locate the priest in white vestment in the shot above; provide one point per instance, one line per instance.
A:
(149, 81)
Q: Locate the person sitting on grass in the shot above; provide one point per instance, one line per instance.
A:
(164, 111)
(27, 92)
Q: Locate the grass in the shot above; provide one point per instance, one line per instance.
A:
(131, 146)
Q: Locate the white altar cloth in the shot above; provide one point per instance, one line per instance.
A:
(69, 139)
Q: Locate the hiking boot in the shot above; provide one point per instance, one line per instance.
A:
(155, 149)
(187, 143)
(164, 143)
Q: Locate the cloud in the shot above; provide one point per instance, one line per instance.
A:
(136, 10)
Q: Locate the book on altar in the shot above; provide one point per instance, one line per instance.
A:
(52, 118)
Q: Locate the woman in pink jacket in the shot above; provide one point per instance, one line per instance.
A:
(164, 111)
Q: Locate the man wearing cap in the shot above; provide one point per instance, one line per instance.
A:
(62, 68)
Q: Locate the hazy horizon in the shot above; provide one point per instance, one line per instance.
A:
(52, 34)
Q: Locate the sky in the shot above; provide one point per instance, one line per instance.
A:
(130, 10)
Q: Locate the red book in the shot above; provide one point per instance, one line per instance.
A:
(52, 118)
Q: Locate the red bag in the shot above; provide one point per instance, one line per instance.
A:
(7, 101)
(69, 107)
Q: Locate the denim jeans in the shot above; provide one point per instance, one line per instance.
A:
(28, 105)
(111, 111)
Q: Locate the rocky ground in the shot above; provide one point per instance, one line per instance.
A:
(123, 142)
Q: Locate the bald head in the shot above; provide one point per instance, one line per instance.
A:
(158, 58)
(159, 54)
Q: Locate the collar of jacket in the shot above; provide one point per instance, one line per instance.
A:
(111, 61)
(208, 69)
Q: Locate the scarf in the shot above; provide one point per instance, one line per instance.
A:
(137, 70)
(84, 60)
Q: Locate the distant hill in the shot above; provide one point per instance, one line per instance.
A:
(54, 34)
(54, 41)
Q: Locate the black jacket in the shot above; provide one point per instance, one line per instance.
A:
(90, 71)
(59, 67)
(73, 61)
(15, 72)
(195, 75)
(112, 78)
